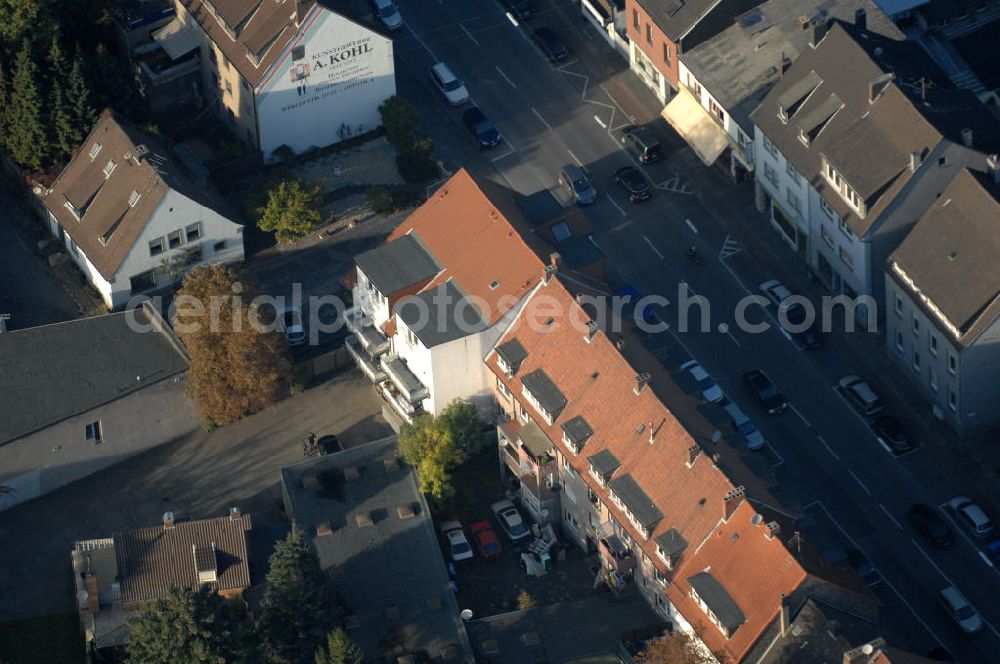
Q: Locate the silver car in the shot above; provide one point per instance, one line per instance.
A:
(576, 181)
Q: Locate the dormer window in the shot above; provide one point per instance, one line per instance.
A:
(543, 395)
(576, 433)
(133, 198)
(510, 355)
(109, 167)
(94, 150)
(597, 475)
(72, 210)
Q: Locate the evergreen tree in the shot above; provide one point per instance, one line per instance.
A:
(66, 138)
(26, 138)
(339, 650)
(81, 110)
(4, 109)
(297, 611)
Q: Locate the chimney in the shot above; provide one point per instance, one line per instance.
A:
(863, 654)
(693, 453)
(915, 161)
(555, 258)
(620, 344)
(235, 514)
(967, 137)
(804, 22)
(861, 18)
(773, 530)
(819, 31)
(547, 273)
(641, 381)
(993, 164)
(591, 331)
(784, 615)
(731, 501)
(877, 86)
(302, 8)
(168, 520)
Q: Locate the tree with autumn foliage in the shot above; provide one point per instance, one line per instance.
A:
(238, 365)
(677, 648)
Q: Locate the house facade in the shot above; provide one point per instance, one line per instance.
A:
(83, 395)
(291, 73)
(131, 217)
(946, 338)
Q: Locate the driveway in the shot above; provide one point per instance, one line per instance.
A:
(198, 476)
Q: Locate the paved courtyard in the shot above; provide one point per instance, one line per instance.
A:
(198, 476)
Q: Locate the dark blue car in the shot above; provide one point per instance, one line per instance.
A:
(480, 126)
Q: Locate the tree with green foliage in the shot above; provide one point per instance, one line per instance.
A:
(82, 112)
(26, 137)
(66, 138)
(191, 626)
(435, 445)
(291, 212)
(4, 108)
(339, 650)
(298, 609)
(18, 21)
(462, 420)
(401, 122)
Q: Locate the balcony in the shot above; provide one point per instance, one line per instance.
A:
(373, 341)
(404, 380)
(615, 553)
(369, 365)
(399, 403)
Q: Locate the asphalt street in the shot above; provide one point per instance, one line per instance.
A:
(824, 457)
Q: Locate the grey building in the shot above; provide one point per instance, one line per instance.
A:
(82, 395)
(942, 291)
(374, 536)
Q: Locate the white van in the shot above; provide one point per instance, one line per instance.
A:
(389, 14)
(449, 85)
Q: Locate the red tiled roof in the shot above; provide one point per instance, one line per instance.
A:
(475, 230)
(599, 384)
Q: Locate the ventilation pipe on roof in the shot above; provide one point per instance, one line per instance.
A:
(861, 18)
(731, 501)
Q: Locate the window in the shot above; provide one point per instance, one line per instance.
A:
(94, 149)
(933, 379)
(597, 476)
(952, 400)
(932, 342)
(503, 388)
(229, 88)
(156, 247)
(109, 167)
(792, 173)
(952, 364)
(899, 340)
(825, 207)
(717, 111)
(219, 246)
(826, 236)
(899, 305)
(770, 174)
(174, 239)
(143, 281)
(916, 325)
(94, 432)
(770, 147)
(635, 19)
(846, 257)
(793, 200)
(916, 361)
(649, 34)
(411, 338)
(844, 228)
(193, 232)
(666, 53)
(298, 52)
(133, 198)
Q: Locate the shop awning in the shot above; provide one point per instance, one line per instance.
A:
(175, 39)
(693, 123)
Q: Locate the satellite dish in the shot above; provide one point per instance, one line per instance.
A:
(867, 649)
(545, 514)
(466, 614)
(716, 436)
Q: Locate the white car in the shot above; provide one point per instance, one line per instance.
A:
(744, 426)
(291, 325)
(709, 388)
(450, 86)
(972, 517)
(510, 520)
(458, 545)
(389, 14)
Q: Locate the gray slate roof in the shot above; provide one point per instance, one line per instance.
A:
(742, 63)
(578, 430)
(440, 314)
(718, 600)
(672, 543)
(545, 391)
(635, 499)
(675, 17)
(53, 372)
(513, 353)
(604, 462)
(390, 573)
(534, 439)
(399, 264)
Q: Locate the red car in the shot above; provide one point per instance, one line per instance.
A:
(485, 539)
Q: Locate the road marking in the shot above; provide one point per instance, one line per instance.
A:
(801, 416)
(617, 207)
(730, 247)
(510, 17)
(511, 150)
(986, 559)
(781, 459)
(828, 448)
(578, 162)
(600, 122)
(675, 185)
(891, 517)
(738, 344)
(690, 224)
(469, 34)
(860, 483)
(655, 250)
(541, 119)
(506, 78)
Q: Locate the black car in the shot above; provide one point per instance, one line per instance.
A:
(930, 525)
(634, 183)
(550, 44)
(768, 395)
(891, 433)
(864, 568)
(480, 126)
(521, 9)
(811, 338)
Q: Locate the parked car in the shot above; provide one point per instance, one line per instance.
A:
(450, 86)
(890, 432)
(744, 426)
(388, 13)
(863, 567)
(486, 540)
(710, 390)
(767, 394)
(775, 291)
(959, 610)
(575, 180)
(930, 525)
(972, 517)
(481, 127)
(290, 321)
(547, 40)
(860, 395)
(458, 545)
(521, 9)
(510, 520)
(640, 142)
(811, 337)
(634, 183)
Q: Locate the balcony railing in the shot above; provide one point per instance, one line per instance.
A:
(370, 338)
(369, 365)
(399, 403)
(405, 380)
